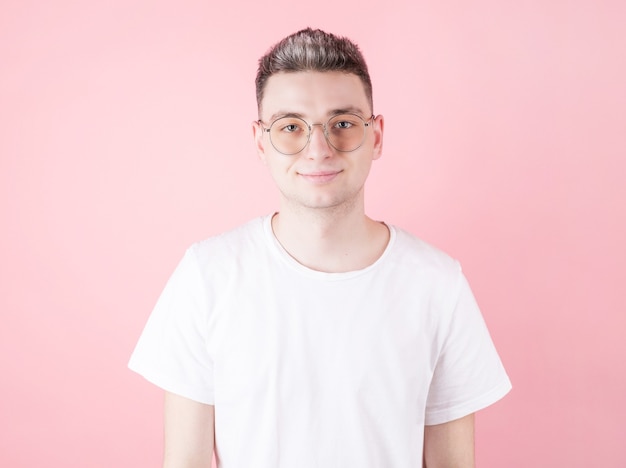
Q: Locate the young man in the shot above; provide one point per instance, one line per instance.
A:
(318, 337)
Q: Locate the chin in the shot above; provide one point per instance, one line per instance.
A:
(330, 204)
(323, 200)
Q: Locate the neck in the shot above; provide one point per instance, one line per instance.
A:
(328, 240)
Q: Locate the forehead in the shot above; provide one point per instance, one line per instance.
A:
(313, 94)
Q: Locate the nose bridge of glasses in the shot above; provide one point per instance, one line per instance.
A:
(311, 128)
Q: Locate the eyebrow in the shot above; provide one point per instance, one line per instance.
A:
(342, 110)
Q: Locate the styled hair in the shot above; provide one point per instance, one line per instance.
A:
(312, 50)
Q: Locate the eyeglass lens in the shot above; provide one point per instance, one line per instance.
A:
(344, 132)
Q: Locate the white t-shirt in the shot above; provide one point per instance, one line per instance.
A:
(311, 369)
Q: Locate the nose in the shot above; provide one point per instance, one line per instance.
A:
(318, 147)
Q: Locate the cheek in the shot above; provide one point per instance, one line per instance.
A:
(278, 169)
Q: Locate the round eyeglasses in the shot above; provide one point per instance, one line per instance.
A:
(344, 132)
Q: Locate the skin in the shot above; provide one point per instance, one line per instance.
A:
(450, 445)
(189, 433)
(321, 221)
(323, 225)
(316, 96)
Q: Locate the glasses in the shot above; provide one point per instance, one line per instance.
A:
(344, 132)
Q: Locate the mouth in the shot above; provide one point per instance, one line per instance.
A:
(319, 177)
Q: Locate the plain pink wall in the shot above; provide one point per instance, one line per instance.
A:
(125, 136)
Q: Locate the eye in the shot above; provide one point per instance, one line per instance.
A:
(343, 124)
(290, 128)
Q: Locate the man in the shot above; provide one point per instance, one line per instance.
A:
(318, 337)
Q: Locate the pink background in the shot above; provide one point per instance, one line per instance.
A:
(125, 136)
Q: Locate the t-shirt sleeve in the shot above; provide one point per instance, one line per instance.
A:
(468, 374)
(172, 351)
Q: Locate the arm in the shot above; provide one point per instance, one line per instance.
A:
(189, 433)
(450, 445)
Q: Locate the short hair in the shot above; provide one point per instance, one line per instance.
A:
(312, 50)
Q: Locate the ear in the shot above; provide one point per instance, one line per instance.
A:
(259, 140)
(378, 126)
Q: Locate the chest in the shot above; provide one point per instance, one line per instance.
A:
(315, 339)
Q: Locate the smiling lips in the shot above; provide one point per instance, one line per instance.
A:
(319, 177)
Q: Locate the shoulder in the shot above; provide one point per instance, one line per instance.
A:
(231, 246)
(232, 240)
(424, 270)
(411, 252)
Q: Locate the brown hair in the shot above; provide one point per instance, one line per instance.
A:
(312, 50)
